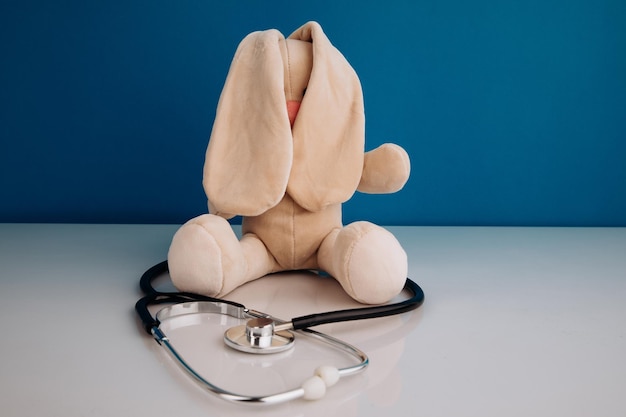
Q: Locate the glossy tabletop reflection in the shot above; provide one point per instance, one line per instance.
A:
(517, 322)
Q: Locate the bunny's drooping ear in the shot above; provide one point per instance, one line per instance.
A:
(329, 131)
(250, 151)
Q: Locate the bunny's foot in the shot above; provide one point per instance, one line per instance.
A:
(206, 257)
(367, 260)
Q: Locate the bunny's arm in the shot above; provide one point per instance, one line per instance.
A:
(385, 170)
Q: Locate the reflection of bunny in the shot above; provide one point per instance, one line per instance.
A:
(287, 148)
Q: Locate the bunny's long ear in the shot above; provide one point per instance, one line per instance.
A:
(250, 151)
(329, 131)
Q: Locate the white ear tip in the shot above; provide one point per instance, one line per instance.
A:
(314, 388)
(329, 374)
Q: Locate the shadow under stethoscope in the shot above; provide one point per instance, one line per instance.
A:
(285, 295)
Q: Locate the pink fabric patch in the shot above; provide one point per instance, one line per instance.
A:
(292, 110)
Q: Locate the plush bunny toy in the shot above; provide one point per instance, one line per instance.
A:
(287, 148)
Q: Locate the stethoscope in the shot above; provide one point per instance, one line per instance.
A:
(262, 333)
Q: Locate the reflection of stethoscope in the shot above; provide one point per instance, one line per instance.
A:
(262, 333)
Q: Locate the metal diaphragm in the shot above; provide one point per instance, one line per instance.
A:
(258, 336)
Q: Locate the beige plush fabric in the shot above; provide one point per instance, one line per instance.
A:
(288, 171)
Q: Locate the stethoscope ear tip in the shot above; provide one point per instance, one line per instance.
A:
(314, 388)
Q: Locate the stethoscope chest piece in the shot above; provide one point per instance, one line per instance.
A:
(259, 335)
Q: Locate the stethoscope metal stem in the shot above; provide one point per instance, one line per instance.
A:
(281, 397)
(194, 307)
(285, 326)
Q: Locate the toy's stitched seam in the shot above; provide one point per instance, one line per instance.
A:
(331, 261)
(245, 260)
(349, 257)
(288, 71)
(270, 255)
(203, 227)
(293, 233)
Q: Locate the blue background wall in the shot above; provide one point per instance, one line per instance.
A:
(513, 112)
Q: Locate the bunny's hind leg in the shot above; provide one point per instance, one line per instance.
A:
(367, 260)
(206, 257)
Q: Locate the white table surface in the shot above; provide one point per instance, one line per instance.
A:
(517, 322)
